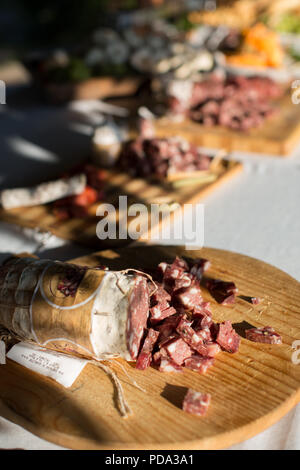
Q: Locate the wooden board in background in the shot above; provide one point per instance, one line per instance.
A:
(92, 89)
(250, 390)
(278, 135)
(83, 230)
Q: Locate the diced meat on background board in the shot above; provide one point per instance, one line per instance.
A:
(138, 312)
(144, 358)
(167, 365)
(178, 350)
(198, 363)
(227, 337)
(196, 403)
(265, 334)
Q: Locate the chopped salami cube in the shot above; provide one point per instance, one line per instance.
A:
(224, 292)
(202, 315)
(168, 326)
(189, 335)
(159, 307)
(167, 365)
(165, 331)
(204, 322)
(188, 297)
(166, 340)
(158, 315)
(160, 295)
(204, 333)
(144, 357)
(162, 268)
(184, 281)
(198, 363)
(214, 329)
(173, 272)
(227, 337)
(265, 334)
(202, 309)
(227, 299)
(212, 348)
(196, 403)
(199, 267)
(178, 350)
(156, 358)
(180, 263)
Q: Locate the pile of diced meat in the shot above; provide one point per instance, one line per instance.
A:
(237, 102)
(161, 157)
(78, 205)
(181, 332)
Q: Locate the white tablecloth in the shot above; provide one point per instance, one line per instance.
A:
(257, 214)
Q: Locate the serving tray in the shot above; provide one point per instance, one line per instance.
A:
(138, 190)
(278, 135)
(250, 390)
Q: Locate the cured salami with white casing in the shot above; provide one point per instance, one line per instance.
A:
(88, 311)
(43, 193)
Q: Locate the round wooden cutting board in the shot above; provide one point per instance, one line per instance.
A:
(250, 390)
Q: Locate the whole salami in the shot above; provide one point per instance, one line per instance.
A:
(92, 312)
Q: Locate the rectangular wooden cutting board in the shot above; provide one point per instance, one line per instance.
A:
(278, 135)
(138, 190)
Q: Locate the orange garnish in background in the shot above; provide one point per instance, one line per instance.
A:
(261, 47)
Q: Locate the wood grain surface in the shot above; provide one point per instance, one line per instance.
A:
(138, 190)
(250, 390)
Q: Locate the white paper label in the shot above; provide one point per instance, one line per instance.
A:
(2, 352)
(60, 367)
